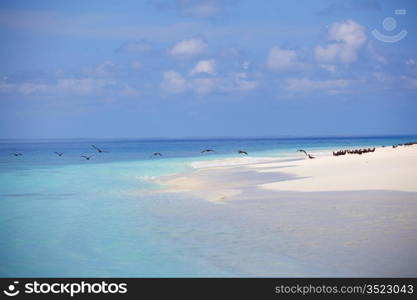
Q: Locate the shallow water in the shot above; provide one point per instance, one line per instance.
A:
(65, 216)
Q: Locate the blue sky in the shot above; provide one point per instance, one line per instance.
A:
(183, 68)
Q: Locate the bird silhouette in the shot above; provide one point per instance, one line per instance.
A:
(157, 154)
(242, 152)
(99, 150)
(308, 155)
(17, 154)
(86, 157)
(207, 150)
(59, 153)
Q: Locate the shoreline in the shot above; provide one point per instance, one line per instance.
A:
(386, 169)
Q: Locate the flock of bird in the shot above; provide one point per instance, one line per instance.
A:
(87, 157)
(155, 154)
(355, 151)
(159, 154)
(367, 150)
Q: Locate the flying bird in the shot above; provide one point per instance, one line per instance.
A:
(207, 150)
(157, 154)
(17, 154)
(59, 153)
(99, 150)
(86, 157)
(242, 152)
(309, 156)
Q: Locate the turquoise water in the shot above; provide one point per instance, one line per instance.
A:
(65, 216)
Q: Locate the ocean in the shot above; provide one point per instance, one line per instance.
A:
(64, 216)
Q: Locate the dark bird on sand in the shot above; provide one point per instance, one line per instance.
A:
(207, 150)
(17, 154)
(309, 156)
(86, 157)
(99, 150)
(156, 154)
(242, 152)
(59, 153)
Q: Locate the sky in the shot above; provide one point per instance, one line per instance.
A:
(207, 68)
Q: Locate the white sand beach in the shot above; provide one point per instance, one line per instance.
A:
(386, 169)
(351, 215)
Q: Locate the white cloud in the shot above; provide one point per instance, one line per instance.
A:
(411, 66)
(328, 53)
(203, 85)
(375, 53)
(307, 85)
(204, 66)
(188, 47)
(105, 69)
(349, 36)
(32, 88)
(70, 86)
(349, 32)
(329, 68)
(126, 90)
(84, 86)
(26, 88)
(173, 82)
(282, 59)
(243, 83)
(383, 77)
